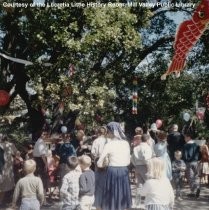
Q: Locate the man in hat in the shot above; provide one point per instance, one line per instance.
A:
(175, 141)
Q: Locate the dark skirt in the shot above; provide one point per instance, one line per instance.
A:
(117, 191)
(100, 178)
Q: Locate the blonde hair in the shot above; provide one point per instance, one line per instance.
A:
(139, 130)
(178, 152)
(29, 166)
(102, 130)
(72, 162)
(156, 168)
(85, 160)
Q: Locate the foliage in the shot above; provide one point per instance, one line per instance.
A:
(108, 47)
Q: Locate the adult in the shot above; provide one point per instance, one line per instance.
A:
(160, 150)
(191, 156)
(100, 174)
(99, 143)
(40, 152)
(78, 137)
(117, 191)
(157, 189)
(7, 182)
(175, 141)
(141, 154)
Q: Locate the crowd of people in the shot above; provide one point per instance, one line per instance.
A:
(97, 172)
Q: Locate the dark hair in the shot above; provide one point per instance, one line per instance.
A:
(145, 138)
(162, 136)
(29, 146)
(72, 162)
(188, 134)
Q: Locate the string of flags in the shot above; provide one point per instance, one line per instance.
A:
(134, 97)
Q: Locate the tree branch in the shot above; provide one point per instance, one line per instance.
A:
(153, 47)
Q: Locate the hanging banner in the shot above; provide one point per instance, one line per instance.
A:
(134, 97)
(18, 60)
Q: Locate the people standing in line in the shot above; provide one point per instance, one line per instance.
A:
(157, 189)
(178, 169)
(100, 174)
(69, 191)
(7, 182)
(160, 150)
(117, 191)
(40, 152)
(141, 154)
(29, 189)
(86, 184)
(175, 141)
(65, 151)
(191, 156)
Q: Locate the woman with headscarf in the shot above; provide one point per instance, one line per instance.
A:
(116, 192)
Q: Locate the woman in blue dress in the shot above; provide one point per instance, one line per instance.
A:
(160, 150)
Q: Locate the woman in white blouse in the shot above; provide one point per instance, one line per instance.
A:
(116, 154)
(157, 189)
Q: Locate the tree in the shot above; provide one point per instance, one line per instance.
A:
(105, 46)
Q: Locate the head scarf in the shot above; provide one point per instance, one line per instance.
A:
(115, 128)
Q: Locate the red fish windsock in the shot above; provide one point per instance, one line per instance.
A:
(187, 36)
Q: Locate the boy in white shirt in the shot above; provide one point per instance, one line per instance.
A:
(69, 191)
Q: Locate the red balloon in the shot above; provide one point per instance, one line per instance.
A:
(4, 98)
(159, 123)
(200, 115)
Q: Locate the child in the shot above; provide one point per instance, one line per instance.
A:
(157, 189)
(29, 189)
(17, 166)
(52, 167)
(70, 185)
(178, 169)
(86, 183)
(204, 163)
(52, 173)
(29, 153)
